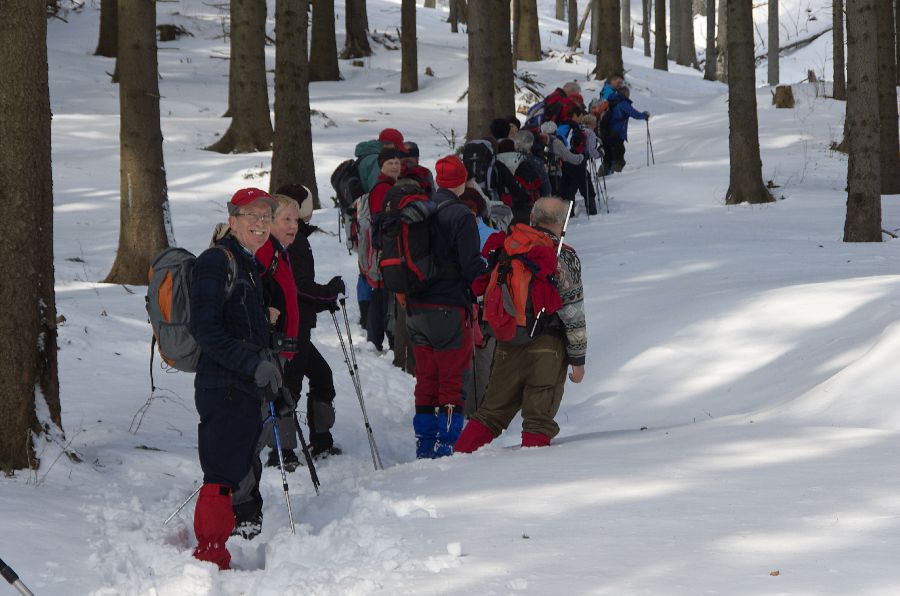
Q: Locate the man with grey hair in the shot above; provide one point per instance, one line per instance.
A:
(529, 373)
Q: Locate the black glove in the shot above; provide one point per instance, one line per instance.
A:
(285, 404)
(336, 285)
(267, 375)
(332, 307)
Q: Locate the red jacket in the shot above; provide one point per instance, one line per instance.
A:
(378, 192)
(279, 289)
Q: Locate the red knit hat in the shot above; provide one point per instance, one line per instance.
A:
(450, 172)
(392, 136)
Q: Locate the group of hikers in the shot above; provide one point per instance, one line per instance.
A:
(466, 276)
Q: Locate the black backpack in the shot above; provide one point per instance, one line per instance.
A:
(407, 263)
(347, 184)
(478, 157)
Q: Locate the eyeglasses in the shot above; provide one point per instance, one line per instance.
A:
(259, 217)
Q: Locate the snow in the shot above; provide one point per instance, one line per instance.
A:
(736, 433)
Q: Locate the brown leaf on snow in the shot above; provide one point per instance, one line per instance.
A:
(775, 573)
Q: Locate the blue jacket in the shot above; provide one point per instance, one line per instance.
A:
(454, 236)
(608, 93)
(230, 331)
(618, 124)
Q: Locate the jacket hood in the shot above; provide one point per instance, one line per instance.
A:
(372, 147)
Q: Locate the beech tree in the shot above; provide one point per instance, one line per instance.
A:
(863, 220)
(573, 23)
(709, 71)
(675, 31)
(145, 225)
(409, 76)
(688, 49)
(323, 57)
(28, 368)
(722, 43)
(491, 91)
(609, 52)
(108, 42)
(251, 125)
(745, 181)
(887, 98)
(357, 24)
(660, 54)
(627, 35)
(528, 35)
(292, 148)
(837, 41)
(645, 25)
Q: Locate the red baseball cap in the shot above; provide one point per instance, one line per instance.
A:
(246, 196)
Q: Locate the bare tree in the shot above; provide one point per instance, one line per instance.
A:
(660, 55)
(897, 36)
(108, 42)
(251, 125)
(292, 148)
(676, 14)
(645, 25)
(504, 95)
(430, 4)
(887, 98)
(323, 59)
(863, 221)
(722, 43)
(573, 22)
(560, 10)
(594, 46)
(145, 225)
(528, 35)
(457, 14)
(357, 21)
(409, 76)
(837, 41)
(627, 34)
(709, 71)
(490, 66)
(745, 181)
(688, 49)
(28, 368)
(773, 43)
(609, 53)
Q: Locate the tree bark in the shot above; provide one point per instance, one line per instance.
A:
(292, 148)
(490, 66)
(897, 37)
(251, 124)
(409, 76)
(595, 27)
(745, 183)
(323, 59)
(709, 71)
(645, 26)
(528, 38)
(887, 98)
(772, 71)
(627, 36)
(145, 221)
(108, 42)
(430, 4)
(837, 40)
(504, 87)
(863, 221)
(357, 22)
(28, 368)
(609, 53)
(688, 49)
(560, 10)
(573, 23)
(722, 43)
(675, 31)
(660, 53)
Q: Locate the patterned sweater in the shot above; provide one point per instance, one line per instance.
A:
(572, 312)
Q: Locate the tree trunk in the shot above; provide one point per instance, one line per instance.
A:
(514, 8)
(28, 368)
(709, 72)
(887, 99)
(897, 36)
(292, 148)
(863, 222)
(323, 60)
(609, 54)
(573, 23)
(627, 36)
(660, 59)
(409, 76)
(145, 221)
(490, 67)
(560, 10)
(429, 4)
(251, 125)
(595, 27)
(837, 41)
(722, 43)
(108, 43)
(645, 26)
(528, 39)
(357, 22)
(675, 31)
(773, 77)
(688, 49)
(454, 17)
(745, 183)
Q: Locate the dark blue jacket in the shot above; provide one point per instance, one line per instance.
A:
(230, 331)
(618, 124)
(455, 240)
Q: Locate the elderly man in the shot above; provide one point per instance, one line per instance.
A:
(530, 375)
(230, 323)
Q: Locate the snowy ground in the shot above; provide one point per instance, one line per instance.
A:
(736, 433)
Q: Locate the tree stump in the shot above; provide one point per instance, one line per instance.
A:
(783, 97)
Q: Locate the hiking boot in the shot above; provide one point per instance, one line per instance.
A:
(324, 452)
(618, 166)
(291, 461)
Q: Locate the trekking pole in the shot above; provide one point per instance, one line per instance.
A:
(284, 483)
(350, 360)
(9, 575)
(313, 475)
(562, 237)
(649, 146)
(587, 188)
(182, 506)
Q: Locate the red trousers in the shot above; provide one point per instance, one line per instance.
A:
(442, 342)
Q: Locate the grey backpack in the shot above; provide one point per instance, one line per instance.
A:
(169, 306)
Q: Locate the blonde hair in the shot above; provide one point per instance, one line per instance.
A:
(589, 120)
(285, 202)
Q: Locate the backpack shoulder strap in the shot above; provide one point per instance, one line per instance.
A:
(231, 274)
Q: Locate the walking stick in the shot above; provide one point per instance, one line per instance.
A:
(313, 475)
(9, 575)
(284, 482)
(182, 506)
(588, 184)
(649, 146)
(350, 360)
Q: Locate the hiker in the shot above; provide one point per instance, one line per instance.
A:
(500, 129)
(617, 133)
(611, 88)
(591, 153)
(391, 166)
(308, 362)
(413, 170)
(520, 179)
(532, 357)
(557, 152)
(440, 317)
(235, 372)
